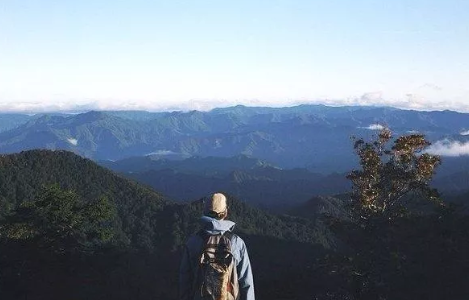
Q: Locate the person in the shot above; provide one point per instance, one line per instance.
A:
(214, 223)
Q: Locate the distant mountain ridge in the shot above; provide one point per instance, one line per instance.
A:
(200, 165)
(258, 182)
(316, 137)
(252, 180)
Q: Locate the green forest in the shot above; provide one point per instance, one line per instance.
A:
(71, 229)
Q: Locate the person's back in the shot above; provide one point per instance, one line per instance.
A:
(215, 228)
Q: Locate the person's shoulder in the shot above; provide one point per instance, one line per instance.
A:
(231, 234)
(236, 239)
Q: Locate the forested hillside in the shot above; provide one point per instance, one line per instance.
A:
(23, 175)
(40, 192)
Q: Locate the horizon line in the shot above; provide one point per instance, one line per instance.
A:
(80, 109)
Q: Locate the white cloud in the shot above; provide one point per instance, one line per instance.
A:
(374, 127)
(161, 152)
(425, 97)
(43, 106)
(73, 141)
(464, 132)
(449, 148)
(371, 98)
(431, 87)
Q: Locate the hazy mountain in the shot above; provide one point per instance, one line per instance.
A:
(316, 137)
(10, 120)
(197, 165)
(333, 206)
(452, 176)
(249, 179)
(259, 183)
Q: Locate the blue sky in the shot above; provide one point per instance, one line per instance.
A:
(198, 54)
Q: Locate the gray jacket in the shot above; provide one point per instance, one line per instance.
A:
(193, 248)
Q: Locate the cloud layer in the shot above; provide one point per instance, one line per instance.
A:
(161, 153)
(426, 98)
(73, 141)
(449, 148)
(374, 127)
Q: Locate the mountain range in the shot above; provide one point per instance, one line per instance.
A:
(315, 137)
(252, 180)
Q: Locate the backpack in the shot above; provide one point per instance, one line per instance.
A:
(217, 277)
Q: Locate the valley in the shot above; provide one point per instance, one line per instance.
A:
(284, 171)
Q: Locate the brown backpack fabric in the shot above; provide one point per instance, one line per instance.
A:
(217, 277)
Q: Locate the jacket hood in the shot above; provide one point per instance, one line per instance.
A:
(214, 226)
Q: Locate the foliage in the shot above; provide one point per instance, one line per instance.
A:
(395, 250)
(59, 221)
(138, 209)
(390, 174)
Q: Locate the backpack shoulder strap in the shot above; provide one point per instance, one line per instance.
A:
(204, 235)
(210, 240)
(229, 234)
